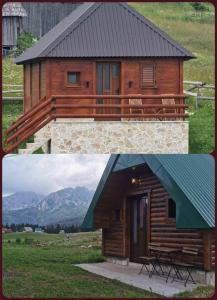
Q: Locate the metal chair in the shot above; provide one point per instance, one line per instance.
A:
(187, 254)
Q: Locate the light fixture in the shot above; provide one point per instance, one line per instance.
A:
(136, 180)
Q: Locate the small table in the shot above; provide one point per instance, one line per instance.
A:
(158, 252)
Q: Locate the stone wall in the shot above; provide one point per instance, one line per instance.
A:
(88, 136)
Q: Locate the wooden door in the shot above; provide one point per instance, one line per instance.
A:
(138, 226)
(108, 83)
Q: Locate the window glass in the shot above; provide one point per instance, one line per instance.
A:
(107, 76)
(74, 77)
(171, 208)
(99, 79)
(135, 222)
(115, 69)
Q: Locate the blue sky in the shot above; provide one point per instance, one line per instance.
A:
(44, 174)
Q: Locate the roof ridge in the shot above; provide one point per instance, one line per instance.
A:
(154, 28)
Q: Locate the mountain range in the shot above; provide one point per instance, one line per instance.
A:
(66, 206)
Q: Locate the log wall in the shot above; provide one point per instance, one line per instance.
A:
(116, 238)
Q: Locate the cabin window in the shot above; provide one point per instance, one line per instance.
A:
(115, 69)
(107, 76)
(148, 75)
(117, 215)
(74, 78)
(171, 209)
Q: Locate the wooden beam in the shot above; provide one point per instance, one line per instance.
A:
(124, 228)
(207, 250)
(103, 242)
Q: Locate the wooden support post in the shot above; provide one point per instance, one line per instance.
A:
(103, 241)
(207, 250)
(124, 228)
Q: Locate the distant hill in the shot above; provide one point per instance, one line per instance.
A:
(67, 206)
(21, 200)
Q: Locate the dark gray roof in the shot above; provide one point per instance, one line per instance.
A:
(103, 29)
(13, 9)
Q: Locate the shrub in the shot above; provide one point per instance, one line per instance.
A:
(25, 40)
(28, 241)
(18, 240)
(9, 241)
(199, 6)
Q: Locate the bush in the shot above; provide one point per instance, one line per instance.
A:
(9, 241)
(198, 6)
(28, 241)
(18, 240)
(25, 40)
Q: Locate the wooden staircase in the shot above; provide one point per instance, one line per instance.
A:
(28, 124)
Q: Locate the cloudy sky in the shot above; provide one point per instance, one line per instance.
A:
(44, 174)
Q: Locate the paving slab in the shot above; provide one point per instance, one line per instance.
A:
(129, 275)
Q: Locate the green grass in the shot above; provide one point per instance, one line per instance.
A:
(11, 112)
(201, 126)
(45, 269)
(48, 267)
(195, 31)
(199, 292)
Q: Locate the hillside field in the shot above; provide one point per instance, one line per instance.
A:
(183, 23)
(40, 265)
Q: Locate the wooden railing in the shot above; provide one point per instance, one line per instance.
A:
(114, 107)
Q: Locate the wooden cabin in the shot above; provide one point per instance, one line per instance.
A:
(164, 199)
(103, 61)
(43, 16)
(12, 25)
(33, 17)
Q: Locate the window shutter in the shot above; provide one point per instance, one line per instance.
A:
(148, 75)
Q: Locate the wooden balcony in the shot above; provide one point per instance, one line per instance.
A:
(99, 107)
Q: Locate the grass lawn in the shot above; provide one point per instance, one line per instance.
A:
(185, 25)
(45, 262)
(47, 266)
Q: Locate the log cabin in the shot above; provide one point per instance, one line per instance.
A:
(164, 199)
(13, 15)
(104, 61)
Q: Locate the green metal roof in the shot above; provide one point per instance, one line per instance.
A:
(189, 179)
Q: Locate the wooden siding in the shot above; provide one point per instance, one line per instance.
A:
(167, 76)
(213, 250)
(113, 232)
(35, 88)
(41, 17)
(11, 26)
(27, 87)
(116, 239)
(42, 79)
(168, 79)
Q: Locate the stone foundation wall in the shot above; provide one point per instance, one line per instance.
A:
(88, 136)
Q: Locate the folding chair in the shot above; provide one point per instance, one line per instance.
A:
(190, 254)
(138, 111)
(147, 260)
(167, 110)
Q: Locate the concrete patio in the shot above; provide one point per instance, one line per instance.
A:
(129, 275)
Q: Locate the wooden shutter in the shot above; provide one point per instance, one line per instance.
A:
(148, 75)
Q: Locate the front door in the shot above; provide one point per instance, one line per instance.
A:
(108, 83)
(138, 226)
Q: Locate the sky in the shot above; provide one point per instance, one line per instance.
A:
(44, 174)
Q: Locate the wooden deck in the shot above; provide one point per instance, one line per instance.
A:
(100, 107)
